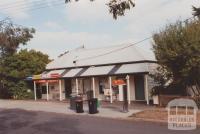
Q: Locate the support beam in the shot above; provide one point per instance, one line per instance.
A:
(93, 87)
(128, 89)
(146, 88)
(60, 89)
(35, 92)
(47, 86)
(111, 93)
(77, 86)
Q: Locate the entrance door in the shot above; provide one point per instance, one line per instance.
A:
(139, 87)
(68, 88)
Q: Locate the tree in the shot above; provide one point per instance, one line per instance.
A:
(116, 7)
(19, 66)
(11, 37)
(25, 63)
(177, 50)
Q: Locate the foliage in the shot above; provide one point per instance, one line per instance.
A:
(16, 66)
(19, 66)
(12, 36)
(196, 11)
(116, 7)
(25, 63)
(177, 50)
(19, 90)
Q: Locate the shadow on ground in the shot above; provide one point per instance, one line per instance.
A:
(20, 121)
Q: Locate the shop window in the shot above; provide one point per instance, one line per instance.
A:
(44, 90)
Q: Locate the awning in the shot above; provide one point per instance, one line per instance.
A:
(73, 72)
(53, 74)
(132, 68)
(100, 70)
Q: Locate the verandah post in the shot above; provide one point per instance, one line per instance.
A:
(111, 96)
(47, 87)
(77, 86)
(146, 88)
(35, 92)
(60, 89)
(93, 86)
(128, 89)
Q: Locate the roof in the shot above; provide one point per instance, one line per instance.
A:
(100, 56)
(109, 70)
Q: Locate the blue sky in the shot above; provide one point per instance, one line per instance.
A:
(61, 27)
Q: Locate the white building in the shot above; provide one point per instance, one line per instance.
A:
(82, 69)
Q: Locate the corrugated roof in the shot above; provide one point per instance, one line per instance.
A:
(101, 70)
(99, 56)
(73, 72)
(133, 68)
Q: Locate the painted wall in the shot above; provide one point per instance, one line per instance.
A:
(54, 92)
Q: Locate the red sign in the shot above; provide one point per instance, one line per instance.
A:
(52, 81)
(40, 81)
(55, 75)
(44, 81)
(118, 82)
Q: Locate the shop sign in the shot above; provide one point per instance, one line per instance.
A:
(118, 82)
(54, 75)
(37, 76)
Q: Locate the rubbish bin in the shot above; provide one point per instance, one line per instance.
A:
(79, 106)
(72, 102)
(98, 103)
(92, 104)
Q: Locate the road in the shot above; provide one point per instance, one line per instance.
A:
(16, 121)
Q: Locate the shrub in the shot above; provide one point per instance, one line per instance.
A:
(20, 91)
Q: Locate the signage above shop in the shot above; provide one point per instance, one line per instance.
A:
(118, 82)
(45, 76)
(45, 81)
(54, 75)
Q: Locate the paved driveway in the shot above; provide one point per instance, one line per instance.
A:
(59, 107)
(15, 121)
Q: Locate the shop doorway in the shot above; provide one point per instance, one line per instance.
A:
(139, 87)
(68, 88)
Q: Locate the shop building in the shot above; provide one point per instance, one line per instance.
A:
(82, 70)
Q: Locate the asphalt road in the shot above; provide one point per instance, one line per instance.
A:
(17, 121)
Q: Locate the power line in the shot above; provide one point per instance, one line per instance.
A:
(119, 49)
(18, 3)
(133, 44)
(23, 3)
(56, 3)
(32, 8)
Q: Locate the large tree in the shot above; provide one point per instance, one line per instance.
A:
(20, 65)
(14, 67)
(116, 7)
(177, 50)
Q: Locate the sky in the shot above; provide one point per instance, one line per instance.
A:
(61, 27)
